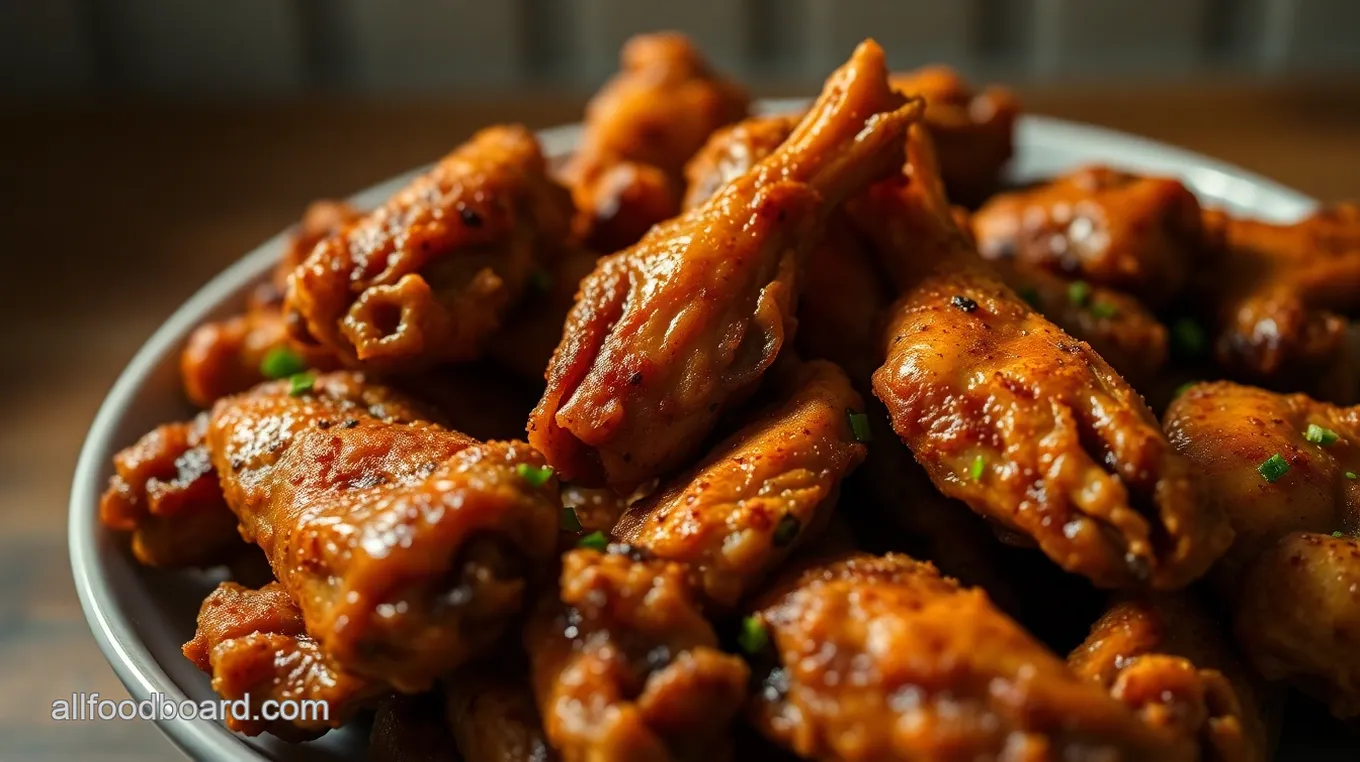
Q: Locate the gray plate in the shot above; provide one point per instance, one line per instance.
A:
(140, 617)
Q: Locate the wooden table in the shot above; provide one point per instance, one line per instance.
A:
(113, 215)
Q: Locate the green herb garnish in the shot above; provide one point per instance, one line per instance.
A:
(1031, 296)
(1337, 535)
(281, 362)
(1104, 310)
(595, 541)
(1320, 435)
(1350, 475)
(1183, 388)
(859, 426)
(301, 383)
(1078, 292)
(570, 521)
(536, 476)
(1188, 339)
(1273, 468)
(786, 530)
(753, 637)
(975, 470)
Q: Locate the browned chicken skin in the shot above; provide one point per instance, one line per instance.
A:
(881, 658)
(760, 493)
(429, 276)
(626, 668)
(1028, 426)
(254, 645)
(1282, 300)
(1293, 582)
(493, 717)
(1140, 235)
(973, 131)
(165, 492)
(639, 131)
(407, 546)
(668, 334)
(1170, 662)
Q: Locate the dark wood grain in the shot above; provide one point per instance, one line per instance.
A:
(110, 216)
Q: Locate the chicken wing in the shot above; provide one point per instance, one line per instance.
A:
(1028, 426)
(639, 131)
(881, 658)
(1282, 295)
(254, 645)
(1169, 661)
(760, 493)
(973, 131)
(626, 668)
(1140, 235)
(1284, 466)
(667, 335)
(165, 492)
(430, 275)
(407, 546)
(494, 718)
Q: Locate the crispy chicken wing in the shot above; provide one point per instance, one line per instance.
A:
(494, 718)
(1028, 426)
(1284, 466)
(1169, 661)
(666, 335)
(760, 493)
(406, 545)
(1282, 298)
(626, 668)
(973, 131)
(881, 658)
(165, 492)
(430, 275)
(1141, 235)
(639, 131)
(255, 646)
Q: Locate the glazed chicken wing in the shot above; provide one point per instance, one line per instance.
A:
(1028, 426)
(430, 275)
(407, 546)
(626, 668)
(493, 717)
(1284, 466)
(666, 335)
(1140, 235)
(254, 645)
(1282, 298)
(881, 658)
(639, 131)
(760, 493)
(1170, 662)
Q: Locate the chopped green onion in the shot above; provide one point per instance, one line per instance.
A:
(786, 530)
(1104, 310)
(541, 280)
(1350, 475)
(301, 383)
(570, 521)
(1031, 296)
(975, 470)
(1078, 292)
(1273, 468)
(1320, 435)
(1183, 388)
(1337, 535)
(753, 637)
(1188, 339)
(595, 541)
(859, 426)
(536, 476)
(281, 362)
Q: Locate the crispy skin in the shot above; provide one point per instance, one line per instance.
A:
(1281, 298)
(639, 131)
(494, 719)
(1140, 235)
(669, 334)
(165, 492)
(1170, 662)
(760, 493)
(973, 131)
(1066, 452)
(881, 658)
(407, 546)
(731, 151)
(253, 644)
(429, 276)
(1292, 583)
(626, 668)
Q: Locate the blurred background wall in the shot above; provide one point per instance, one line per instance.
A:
(75, 48)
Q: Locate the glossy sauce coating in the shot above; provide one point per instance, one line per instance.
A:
(493, 717)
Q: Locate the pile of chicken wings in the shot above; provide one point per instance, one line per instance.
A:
(834, 447)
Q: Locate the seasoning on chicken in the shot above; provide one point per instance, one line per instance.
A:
(254, 645)
(430, 275)
(625, 667)
(407, 546)
(881, 658)
(1284, 466)
(760, 493)
(164, 491)
(669, 334)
